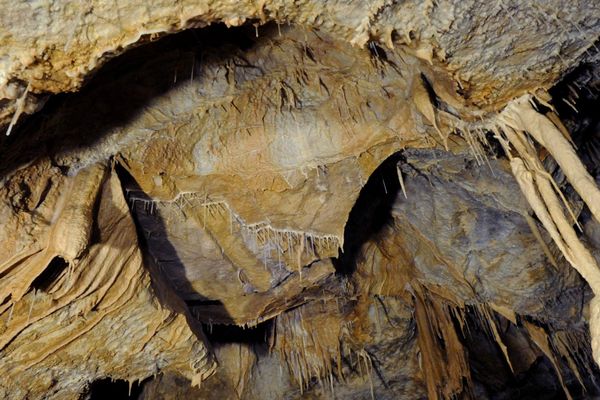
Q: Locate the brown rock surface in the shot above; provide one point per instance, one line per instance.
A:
(495, 51)
(320, 205)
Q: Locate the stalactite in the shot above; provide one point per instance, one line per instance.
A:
(518, 119)
(102, 279)
(311, 345)
(444, 361)
(69, 235)
(261, 233)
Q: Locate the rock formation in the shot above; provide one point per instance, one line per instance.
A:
(345, 199)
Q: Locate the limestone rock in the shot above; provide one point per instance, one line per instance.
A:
(54, 47)
(303, 200)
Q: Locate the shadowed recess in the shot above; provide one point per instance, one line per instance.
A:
(370, 213)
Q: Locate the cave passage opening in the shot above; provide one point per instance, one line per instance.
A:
(371, 212)
(48, 277)
(114, 389)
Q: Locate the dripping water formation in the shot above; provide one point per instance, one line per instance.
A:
(269, 211)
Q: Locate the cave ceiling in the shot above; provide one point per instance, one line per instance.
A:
(277, 199)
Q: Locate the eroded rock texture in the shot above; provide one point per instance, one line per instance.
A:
(494, 51)
(334, 200)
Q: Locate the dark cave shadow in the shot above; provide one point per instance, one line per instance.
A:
(170, 283)
(116, 93)
(113, 96)
(370, 214)
(582, 119)
(491, 372)
(115, 389)
(150, 226)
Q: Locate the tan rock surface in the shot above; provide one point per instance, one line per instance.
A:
(283, 183)
(67, 299)
(55, 46)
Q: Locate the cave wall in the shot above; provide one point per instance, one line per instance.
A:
(312, 207)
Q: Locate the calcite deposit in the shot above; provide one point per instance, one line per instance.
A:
(279, 199)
